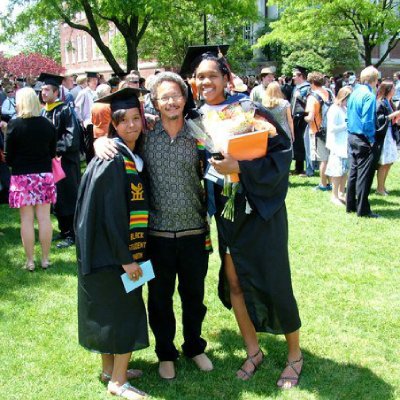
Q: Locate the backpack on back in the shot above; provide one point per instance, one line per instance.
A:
(324, 108)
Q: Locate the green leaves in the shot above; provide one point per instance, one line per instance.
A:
(361, 24)
(160, 28)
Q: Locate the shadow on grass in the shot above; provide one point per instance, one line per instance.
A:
(303, 183)
(323, 378)
(63, 263)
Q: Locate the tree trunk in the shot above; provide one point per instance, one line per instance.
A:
(131, 54)
(368, 47)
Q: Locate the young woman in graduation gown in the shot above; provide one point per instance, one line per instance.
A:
(255, 275)
(110, 223)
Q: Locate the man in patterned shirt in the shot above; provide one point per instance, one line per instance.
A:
(177, 226)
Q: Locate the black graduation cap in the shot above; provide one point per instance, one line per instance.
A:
(50, 79)
(194, 53)
(91, 74)
(300, 69)
(123, 99)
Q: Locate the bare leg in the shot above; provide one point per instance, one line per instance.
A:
(120, 367)
(388, 166)
(242, 317)
(381, 177)
(107, 361)
(322, 169)
(27, 232)
(45, 230)
(119, 378)
(335, 190)
(342, 187)
(295, 358)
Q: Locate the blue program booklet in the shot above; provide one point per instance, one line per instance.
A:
(148, 274)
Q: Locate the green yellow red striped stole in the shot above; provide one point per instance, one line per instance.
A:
(130, 166)
(200, 145)
(138, 211)
(201, 150)
(138, 219)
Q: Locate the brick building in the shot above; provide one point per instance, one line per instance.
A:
(79, 52)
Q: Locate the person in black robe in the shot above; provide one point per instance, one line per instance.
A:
(111, 237)
(68, 138)
(255, 274)
(298, 105)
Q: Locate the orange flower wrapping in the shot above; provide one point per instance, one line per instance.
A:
(249, 146)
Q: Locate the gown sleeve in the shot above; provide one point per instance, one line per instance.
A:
(102, 217)
(265, 179)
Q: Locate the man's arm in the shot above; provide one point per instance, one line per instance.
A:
(105, 148)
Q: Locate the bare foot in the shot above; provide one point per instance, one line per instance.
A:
(337, 201)
(250, 366)
(291, 374)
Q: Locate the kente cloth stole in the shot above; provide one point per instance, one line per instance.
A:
(201, 149)
(138, 212)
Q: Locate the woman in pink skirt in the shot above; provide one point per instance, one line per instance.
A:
(30, 145)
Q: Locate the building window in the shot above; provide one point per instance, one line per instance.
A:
(66, 53)
(94, 50)
(84, 48)
(79, 48)
(73, 51)
(248, 33)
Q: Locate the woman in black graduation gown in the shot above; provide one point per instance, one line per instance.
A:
(255, 275)
(111, 223)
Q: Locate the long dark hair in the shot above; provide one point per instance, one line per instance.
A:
(384, 89)
(116, 117)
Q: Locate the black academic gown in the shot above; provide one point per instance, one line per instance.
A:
(109, 319)
(258, 242)
(68, 148)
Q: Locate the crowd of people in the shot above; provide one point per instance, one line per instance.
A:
(147, 194)
(343, 126)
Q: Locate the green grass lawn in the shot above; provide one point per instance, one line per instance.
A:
(346, 279)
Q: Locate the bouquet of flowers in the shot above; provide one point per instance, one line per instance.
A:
(242, 134)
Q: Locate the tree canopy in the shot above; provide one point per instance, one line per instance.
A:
(178, 21)
(28, 65)
(341, 24)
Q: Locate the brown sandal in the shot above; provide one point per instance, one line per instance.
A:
(250, 374)
(291, 381)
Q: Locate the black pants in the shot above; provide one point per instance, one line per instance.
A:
(186, 258)
(299, 152)
(89, 140)
(363, 158)
(66, 225)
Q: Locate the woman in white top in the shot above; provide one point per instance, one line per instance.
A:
(336, 142)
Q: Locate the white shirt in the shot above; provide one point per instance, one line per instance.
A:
(336, 133)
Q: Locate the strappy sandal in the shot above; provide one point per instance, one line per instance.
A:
(130, 374)
(251, 359)
(30, 266)
(289, 382)
(126, 391)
